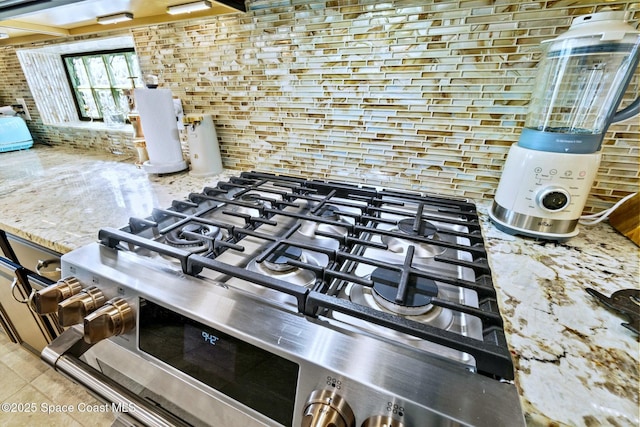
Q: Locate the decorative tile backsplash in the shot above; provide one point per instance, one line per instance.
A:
(426, 96)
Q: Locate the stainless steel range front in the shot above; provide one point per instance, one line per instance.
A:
(273, 300)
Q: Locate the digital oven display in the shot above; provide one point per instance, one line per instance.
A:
(254, 377)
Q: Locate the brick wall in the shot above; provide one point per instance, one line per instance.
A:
(418, 95)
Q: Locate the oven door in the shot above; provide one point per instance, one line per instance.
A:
(141, 390)
(66, 354)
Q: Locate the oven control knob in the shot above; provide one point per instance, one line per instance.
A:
(326, 408)
(72, 310)
(382, 421)
(46, 300)
(114, 318)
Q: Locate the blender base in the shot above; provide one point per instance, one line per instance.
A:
(497, 213)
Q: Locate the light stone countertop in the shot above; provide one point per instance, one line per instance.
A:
(575, 364)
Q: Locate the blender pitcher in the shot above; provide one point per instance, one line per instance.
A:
(580, 83)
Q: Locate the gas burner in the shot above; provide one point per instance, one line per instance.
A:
(187, 237)
(246, 205)
(276, 266)
(254, 199)
(278, 261)
(424, 229)
(418, 296)
(250, 206)
(309, 228)
(330, 212)
(417, 304)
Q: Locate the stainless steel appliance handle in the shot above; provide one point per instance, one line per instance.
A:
(63, 355)
(14, 285)
(53, 274)
(28, 300)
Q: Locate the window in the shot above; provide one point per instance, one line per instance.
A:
(53, 92)
(98, 82)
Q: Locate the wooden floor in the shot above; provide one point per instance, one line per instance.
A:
(33, 394)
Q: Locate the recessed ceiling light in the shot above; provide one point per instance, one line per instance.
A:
(114, 19)
(189, 7)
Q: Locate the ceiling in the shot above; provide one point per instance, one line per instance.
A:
(68, 18)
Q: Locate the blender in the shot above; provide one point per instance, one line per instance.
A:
(580, 83)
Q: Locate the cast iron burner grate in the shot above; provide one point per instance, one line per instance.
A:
(354, 220)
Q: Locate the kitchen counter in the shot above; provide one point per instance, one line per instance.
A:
(575, 363)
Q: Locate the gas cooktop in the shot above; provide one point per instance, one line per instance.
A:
(404, 267)
(275, 300)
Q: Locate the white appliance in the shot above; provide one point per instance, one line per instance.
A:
(204, 151)
(581, 81)
(158, 118)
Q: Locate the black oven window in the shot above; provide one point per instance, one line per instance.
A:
(242, 371)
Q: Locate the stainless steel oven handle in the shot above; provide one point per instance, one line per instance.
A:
(63, 355)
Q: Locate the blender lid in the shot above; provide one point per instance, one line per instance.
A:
(610, 26)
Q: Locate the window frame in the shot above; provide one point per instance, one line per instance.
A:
(112, 87)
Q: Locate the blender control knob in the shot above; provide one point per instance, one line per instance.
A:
(553, 199)
(382, 421)
(73, 309)
(326, 408)
(114, 318)
(46, 300)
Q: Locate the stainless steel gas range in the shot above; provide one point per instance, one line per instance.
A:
(273, 300)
